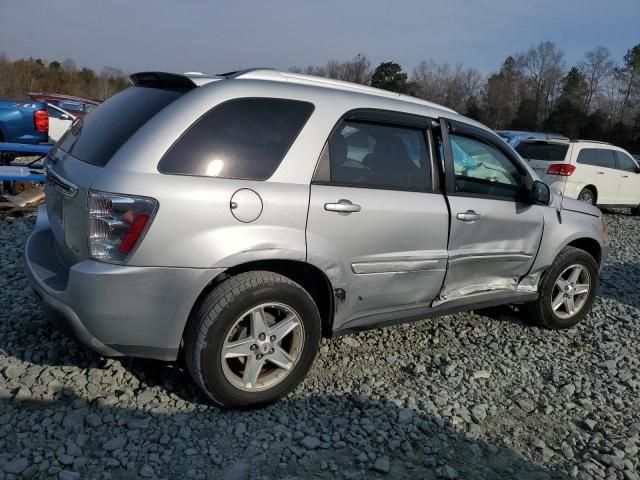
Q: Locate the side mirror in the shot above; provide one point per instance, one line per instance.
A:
(540, 193)
(636, 169)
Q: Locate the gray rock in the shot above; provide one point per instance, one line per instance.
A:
(114, 444)
(68, 475)
(16, 466)
(405, 416)
(382, 464)
(526, 405)
(310, 443)
(147, 471)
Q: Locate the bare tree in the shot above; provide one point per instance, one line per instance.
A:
(596, 67)
(545, 68)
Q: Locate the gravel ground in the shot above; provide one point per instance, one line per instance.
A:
(476, 395)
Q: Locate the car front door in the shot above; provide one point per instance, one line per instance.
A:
(629, 187)
(495, 233)
(377, 224)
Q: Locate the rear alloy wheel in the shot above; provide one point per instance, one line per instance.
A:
(252, 339)
(587, 196)
(567, 290)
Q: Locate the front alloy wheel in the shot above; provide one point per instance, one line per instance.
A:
(567, 290)
(570, 291)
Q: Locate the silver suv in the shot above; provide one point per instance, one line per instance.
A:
(237, 219)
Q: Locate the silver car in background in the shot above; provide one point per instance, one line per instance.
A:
(239, 218)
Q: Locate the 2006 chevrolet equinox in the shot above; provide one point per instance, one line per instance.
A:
(239, 218)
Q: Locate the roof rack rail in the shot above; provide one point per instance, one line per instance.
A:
(591, 141)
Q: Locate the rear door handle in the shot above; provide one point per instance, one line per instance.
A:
(625, 176)
(600, 173)
(469, 216)
(343, 207)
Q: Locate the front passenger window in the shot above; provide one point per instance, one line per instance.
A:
(482, 169)
(624, 162)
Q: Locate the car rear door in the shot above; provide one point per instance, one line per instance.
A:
(377, 223)
(495, 233)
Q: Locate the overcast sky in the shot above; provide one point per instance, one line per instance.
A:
(218, 36)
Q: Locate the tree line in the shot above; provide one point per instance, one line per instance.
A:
(19, 77)
(598, 98)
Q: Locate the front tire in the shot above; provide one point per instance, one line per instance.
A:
(252, 339)
(567, 290)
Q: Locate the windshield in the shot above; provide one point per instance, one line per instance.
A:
(551, 152)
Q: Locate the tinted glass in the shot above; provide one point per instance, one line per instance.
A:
(587, 156)
(605, 158)
(552, 152)
(244, 138)
(625, 162)
(95, 138)
(377, 156)
(53, 113)
(482, 169)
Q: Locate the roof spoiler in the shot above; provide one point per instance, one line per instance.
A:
(163, 80)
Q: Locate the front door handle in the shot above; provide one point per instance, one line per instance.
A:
(600, 173)
(343, 207)
(469, 216)
(625, 176)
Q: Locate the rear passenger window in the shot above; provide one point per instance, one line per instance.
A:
(245, 138)
(364, 154)
(598, 157)
(605, 158)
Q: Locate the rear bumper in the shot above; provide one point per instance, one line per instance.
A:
(115, 310)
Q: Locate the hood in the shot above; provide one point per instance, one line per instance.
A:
(579, 206)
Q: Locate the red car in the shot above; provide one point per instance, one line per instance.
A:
(74, 105)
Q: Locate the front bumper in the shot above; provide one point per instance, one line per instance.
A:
(115, 310)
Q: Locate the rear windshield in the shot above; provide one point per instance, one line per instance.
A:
(96, 137)
(551, 152)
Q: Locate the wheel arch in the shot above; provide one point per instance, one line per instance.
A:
(309, 277)
(589, 245)
(594, 189)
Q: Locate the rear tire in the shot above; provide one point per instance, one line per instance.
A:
(560, 304)
(252, 339)
(635, 211)
(587, 195)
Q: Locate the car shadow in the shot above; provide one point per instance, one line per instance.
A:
(352, 436)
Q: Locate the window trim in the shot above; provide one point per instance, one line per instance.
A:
(197, 120)
(385, 118)
(478, 134)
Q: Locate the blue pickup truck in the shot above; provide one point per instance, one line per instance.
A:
(24, 121)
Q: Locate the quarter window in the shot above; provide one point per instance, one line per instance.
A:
(378, 156)
(482, 169)
(244, 138)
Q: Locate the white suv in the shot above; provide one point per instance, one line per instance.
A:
(594, 172)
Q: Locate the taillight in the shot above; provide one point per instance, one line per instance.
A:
(41, 118)
(562, 169)
(116, 224)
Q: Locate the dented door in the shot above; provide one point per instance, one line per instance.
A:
(388, 252)
(494, 251)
